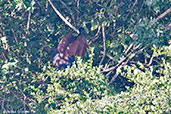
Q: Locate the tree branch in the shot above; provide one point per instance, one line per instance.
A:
(110, 57)
(124, 63)
(62, 17)
(128, 57)
(68, 10)
(104, 43)
(95, 37)
(28, 22)
(164, 14)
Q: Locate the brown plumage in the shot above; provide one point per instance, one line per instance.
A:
(77, 47)
(69, 47)
(72, 46)
(65, 42)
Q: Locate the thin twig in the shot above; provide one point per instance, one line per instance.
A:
(130, 55)
(119, 63)
(46, 6)
(130, 10)
(110, 57)
(14, 35)
(114, 67)
(98, 31)
(62, 17)
(68, 10)
(24, 99)
(136, 47)
(125, 63)
(95, 37)
(28, 22)
(151, 59)
(78, 4)
(109, 73)
(113, 78)
(130, 46)
(104, 43)
(133, 55)
(97, 34)
(3, 104)
(107, 64)
(98, 3)
(167, 27)
(164, 14)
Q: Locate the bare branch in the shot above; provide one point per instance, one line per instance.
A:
(104, 43)
(110, 57)
(128, 57)
(62, 17)
(98, 31)
(95, 37)
(113, 78)
(164, 14)
(124, 63)
(151, 59)
(114, 67)
(28, 22)
(78, 4)
(14, 35)
(133, 55)
(130, 46)
(68, 9)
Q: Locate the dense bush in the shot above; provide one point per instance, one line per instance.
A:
(150, 94)
(80, 82)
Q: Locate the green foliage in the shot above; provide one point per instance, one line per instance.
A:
(80, 82)
(150, 32)
(151, 94)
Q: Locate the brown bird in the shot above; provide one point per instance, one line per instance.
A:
(69, 47)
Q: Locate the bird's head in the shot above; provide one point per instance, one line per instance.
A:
(81, 30)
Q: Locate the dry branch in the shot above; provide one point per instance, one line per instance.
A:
(28, 22)
(62, 17)
(104, 43)
(68, 10)
(164, 14)
(125, 63)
